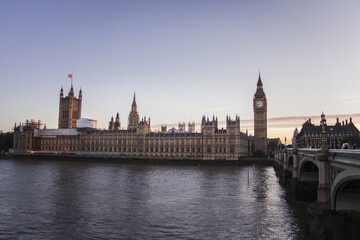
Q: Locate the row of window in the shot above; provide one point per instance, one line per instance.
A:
(122, 149)
(135, 149)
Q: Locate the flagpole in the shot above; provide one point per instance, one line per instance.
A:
(70, 76)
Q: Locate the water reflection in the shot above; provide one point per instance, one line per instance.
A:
(93, 200)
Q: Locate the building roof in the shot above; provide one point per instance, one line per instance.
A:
(338, 128)
(260, 92)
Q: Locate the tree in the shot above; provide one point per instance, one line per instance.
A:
(6, 141)
(272, 146)
(353, 140)
(259, 153)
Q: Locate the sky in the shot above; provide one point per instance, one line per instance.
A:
(183, 59)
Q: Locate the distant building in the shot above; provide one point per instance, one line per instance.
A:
(182, 127)
(310, 135)
(191, 127)
(86, 123)
(260, 118)
(163, 128)
(69, 109)
(81, 135)
(133, 116)
(115, 125)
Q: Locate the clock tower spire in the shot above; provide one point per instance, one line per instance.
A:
(260, 118)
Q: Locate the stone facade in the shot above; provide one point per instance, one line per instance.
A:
(310, 134)
(69, 109)
(138, 139)
(211, 143)
(260, 118)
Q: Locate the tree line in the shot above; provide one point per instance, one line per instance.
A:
(6, 141)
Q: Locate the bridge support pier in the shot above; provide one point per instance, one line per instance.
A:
(295, 164)
(324, 177)
(285, 161)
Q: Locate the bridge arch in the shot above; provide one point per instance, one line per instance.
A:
(308, 169)
(346, 191)
(290, 162)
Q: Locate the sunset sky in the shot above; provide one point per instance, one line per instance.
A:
(184, 59)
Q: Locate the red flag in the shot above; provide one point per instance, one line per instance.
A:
(70, 75)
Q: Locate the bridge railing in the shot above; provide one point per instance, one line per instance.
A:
(345, 156)
(312, 151)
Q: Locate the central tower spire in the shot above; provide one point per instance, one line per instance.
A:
(134, 106)
(133, 116)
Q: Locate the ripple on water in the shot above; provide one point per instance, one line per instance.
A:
(58, 200)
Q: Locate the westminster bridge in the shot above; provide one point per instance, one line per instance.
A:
(336, 173)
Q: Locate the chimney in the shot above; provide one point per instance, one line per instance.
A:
(337, 120)
(351, 120)
(343, 123)
(346, 122)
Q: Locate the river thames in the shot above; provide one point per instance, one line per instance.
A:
(85, 200)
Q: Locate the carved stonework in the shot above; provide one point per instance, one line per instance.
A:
(260, 118)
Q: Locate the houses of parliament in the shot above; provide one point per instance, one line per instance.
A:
(81, 136)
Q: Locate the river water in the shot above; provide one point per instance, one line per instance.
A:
(84, 200)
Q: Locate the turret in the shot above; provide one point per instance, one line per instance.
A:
(111, 124)
(207, 125)
(191, 127)
(71, 93)
(117, 122)
(233, 123)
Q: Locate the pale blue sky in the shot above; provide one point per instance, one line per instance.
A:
(182, 58)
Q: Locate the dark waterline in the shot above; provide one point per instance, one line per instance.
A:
(71, 200)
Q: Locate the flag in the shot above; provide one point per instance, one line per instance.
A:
(70, 75)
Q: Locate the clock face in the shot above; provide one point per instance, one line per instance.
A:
(259, 104)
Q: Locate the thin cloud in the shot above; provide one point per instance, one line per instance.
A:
(216, 109)
(354, 101)
(346, 97)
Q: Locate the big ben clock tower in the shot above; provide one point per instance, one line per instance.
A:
(260, 118)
